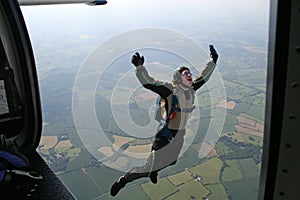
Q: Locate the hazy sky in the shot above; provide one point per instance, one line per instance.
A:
(205, 21)
(132, 8)
(144, 13)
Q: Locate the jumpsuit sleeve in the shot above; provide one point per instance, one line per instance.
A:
(205, 75)
(163, 89)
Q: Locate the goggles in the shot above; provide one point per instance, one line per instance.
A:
(186, 73)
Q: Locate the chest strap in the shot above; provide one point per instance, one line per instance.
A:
(186, 110)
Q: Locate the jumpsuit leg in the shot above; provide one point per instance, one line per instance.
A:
(145, 171)
(163, 154)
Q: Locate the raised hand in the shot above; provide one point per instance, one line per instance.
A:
(213, 53)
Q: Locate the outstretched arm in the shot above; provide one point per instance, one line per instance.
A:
(208, 70)
(159, 87)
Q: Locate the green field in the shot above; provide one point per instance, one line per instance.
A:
(217, 192)
(180, 178)
(219, 179)
(193, 190)
(231, 171)
(241, 137)
(231, 174)
(209, 171)
(162, 189)
(134, 192)
(249, 167)
(247, 188)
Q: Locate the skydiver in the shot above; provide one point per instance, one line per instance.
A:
(179, 99)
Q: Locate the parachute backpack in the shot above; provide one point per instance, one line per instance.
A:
(161, 113)
(162, 117)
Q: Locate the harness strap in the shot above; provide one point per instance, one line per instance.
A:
(186, 110)
(175, 106)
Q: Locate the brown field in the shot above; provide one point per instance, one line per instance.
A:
(244, 120)
(248, 131)
(107, 151)
(65, 143)
(48, 142)
(139, 151)
(249, 126)
(119, 141)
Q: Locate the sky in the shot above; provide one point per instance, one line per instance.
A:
(141, 13)
(139, 7)
(203, 20)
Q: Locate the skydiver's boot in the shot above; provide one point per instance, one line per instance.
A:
(153, 177)
(117, 186)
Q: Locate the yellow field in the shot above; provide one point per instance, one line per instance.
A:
(227, 105)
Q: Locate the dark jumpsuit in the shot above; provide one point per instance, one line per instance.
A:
(164, 152)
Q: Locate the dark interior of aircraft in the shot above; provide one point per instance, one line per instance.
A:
(21, 117)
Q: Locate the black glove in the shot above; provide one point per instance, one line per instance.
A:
(213, 53)
(137, 59)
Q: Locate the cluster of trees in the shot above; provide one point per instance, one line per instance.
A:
(240, 150)
(57, 161)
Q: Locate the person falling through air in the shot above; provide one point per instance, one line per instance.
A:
(178, 98)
